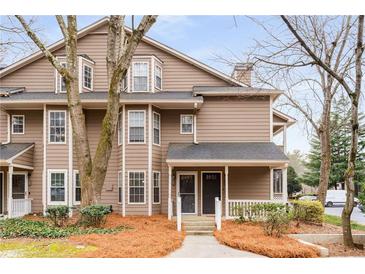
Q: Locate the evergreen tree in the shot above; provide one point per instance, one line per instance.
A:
(293, 183)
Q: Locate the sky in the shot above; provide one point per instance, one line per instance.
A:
(201, 37)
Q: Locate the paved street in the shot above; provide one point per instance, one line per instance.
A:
(356, 216)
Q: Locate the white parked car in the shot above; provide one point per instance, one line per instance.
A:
(337, 197)
(308, 198)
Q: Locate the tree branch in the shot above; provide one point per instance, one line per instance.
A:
(62, 25)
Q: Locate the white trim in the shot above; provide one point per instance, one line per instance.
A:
(217, 161)
(44, 171)
(192, 126)
(120, 184)
(123, 162)
(120, 138)
(145, 186)
(10, 190)
(226, 178)
(144, 127)
(169, 198)
(49, 124)
(26, 183)
(201, 193)
(2, 193)
(159, 128)
(284, 140)
(148, 76)
(195, 173)
(154, 76)
(49, 172)
(59, 80)
(9, 125)
(92, 77)
(75, 172)
(271, 184)
(150, 140)
(22, 166)
(289, 119)
(153, 187)
(80, 73)
(12, 125)
(271, 121)
(195, 141)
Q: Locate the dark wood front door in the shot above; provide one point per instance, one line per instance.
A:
(211, 183)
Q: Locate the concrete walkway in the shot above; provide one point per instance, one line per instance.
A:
(208, 247)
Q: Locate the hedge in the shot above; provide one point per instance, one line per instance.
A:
(308, 212)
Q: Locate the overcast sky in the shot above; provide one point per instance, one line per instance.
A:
(202, 37)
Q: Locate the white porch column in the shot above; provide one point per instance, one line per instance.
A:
(285, 185)
(123, 161)
(150, 159)
(271, 184)
(284, 139)
(10, 190)
(226, 188)
(169, 199)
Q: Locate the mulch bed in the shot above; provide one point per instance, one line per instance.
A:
(251, 237)
(339, 250)
(318, 229)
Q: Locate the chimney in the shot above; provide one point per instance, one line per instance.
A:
(242, 72)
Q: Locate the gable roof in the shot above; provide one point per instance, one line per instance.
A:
(83, 32)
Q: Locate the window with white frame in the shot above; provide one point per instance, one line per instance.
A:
(278, 181)
(136, 122)
(120, 128)
(17, 124)
(140, 76)
(120, 188)
(77, 187)
(62, 80)
(57, 127)
(156, 187)
(136, 187)
(156, 128)
(87, 78)
(186, 124)
(124, 83)
(57, 186)
(158, 77)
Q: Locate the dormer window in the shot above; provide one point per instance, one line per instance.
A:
(140, 76)
(158, 77)
(62, 81)
(87, 77)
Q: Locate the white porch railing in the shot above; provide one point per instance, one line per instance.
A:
(237, 207)
(218, 213)
(21, 207)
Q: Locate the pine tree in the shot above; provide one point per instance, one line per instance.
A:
(293, 183)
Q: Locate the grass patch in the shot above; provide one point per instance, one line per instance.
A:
(41, 249)
(335, 220)
(251, 237)
(14, 228)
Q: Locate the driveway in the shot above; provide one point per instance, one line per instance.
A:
(356, 216)
(208, 247)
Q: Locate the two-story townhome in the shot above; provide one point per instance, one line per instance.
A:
(185, 130)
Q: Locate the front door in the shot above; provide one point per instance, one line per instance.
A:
(19, 186)
(186, 190)
(211, 183)
(1, 192)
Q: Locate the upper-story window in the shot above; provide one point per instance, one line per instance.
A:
(186, 124)
(158, 77)
(136, 121)
(87, 77)
(140, 76)
(57, 127)
(17, 124)
(124, 82)
(62, 80)
(120, 128)
(156, 128)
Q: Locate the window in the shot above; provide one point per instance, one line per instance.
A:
(156, 187)
(136, 187)
(62, 81)
(77, 186)
(158, 77)
(156, 128)
(186, 124)
(278, 181)
(57, 186)
(124, 83)
(17, 124)
(120, 128)
(87, 77)
(120, 188)
(136, 126)
(57, 127)
(140, 76)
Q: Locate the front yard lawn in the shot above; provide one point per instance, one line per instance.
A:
(251, 237)
(335, 220)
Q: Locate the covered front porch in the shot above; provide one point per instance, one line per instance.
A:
(16, 161)
(239, 174)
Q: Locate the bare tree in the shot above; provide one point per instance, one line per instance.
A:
(281, 63)
(350, 81)
(120, 49)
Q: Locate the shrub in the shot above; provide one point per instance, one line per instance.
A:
(308, 212)
(256, 212)
(94, 215)
(58, 214)
(12, 228)
(276, 223)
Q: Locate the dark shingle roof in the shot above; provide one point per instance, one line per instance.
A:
(225, 151)
(9, 150)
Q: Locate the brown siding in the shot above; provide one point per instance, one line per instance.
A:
(25, 159)
(249, 183)
(33, 134)
(233, 119)
(3, 126)
(277, 119)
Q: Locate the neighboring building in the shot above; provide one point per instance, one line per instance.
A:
(184, 129)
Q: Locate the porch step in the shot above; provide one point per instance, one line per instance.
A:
(199, 227)
(199, 232)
